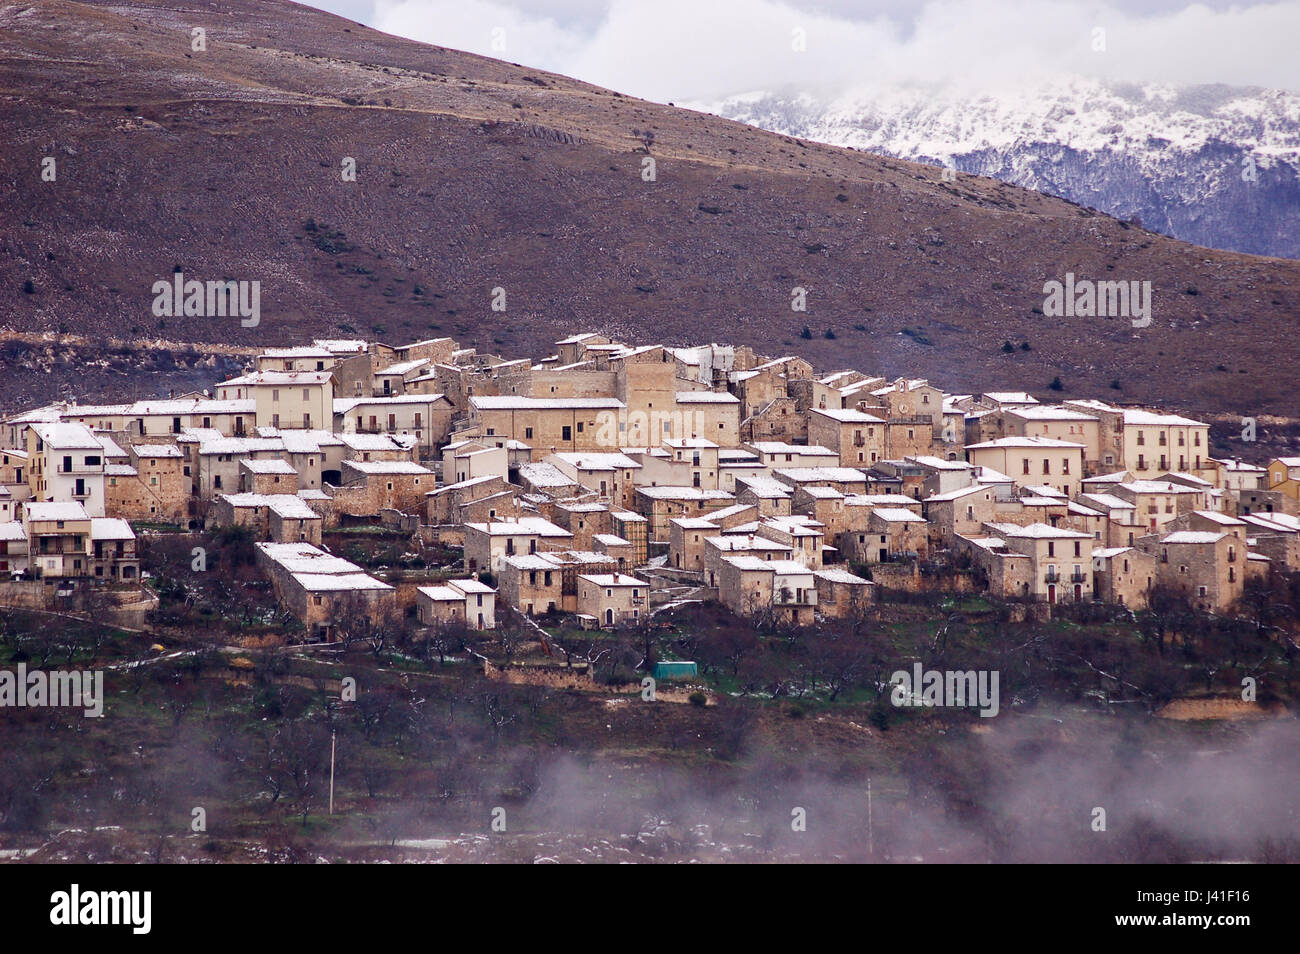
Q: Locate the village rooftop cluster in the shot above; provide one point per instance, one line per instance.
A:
(606, 480)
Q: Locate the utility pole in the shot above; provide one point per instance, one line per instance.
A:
(871, 838)
(332, 733)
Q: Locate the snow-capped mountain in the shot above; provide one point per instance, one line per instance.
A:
(1213, 165)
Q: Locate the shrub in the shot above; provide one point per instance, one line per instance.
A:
(699, 699)
(1008, 347)
(1056, 384)
(806, 334)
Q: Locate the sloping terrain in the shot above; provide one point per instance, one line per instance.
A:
(474, 174)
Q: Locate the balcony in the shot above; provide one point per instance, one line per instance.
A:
(1078, 576)
(1051, 576)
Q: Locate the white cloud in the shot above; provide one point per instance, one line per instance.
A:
(684, 50)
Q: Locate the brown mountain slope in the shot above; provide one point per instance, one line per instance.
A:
(474, 174)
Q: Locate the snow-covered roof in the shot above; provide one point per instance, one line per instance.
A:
(896, 515)
(1049, 412)
(836, 575)
(110, 528)
(154, 450)
(1035, 442)
(524, 526)
(1193, 536)
(63, 510)
(66, 435)
(338, 582)
(706, 397)
(344, 405)
(542, 474)
(837, 474)
(512, 402)
(1141, 418)
(388, 467)
(589, 460)
(273, 465)
(1039, 531)
(612, 579)
(402, 367)
(683, 493)
(1010, 397)
(848, 415)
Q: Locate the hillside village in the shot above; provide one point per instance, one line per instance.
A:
(608, 480)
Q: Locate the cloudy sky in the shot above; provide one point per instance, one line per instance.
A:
(700, 50)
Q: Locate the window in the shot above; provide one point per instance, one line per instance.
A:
(528, 433)
(580, 427)
(1051, 548)
(1047, 466)
(566, 433)
(275, 394)
(1026, 463)
(306, 394)
(92, 460)
(1065, 466)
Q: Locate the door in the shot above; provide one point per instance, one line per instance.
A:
(1051, 592)
(1078, 593)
